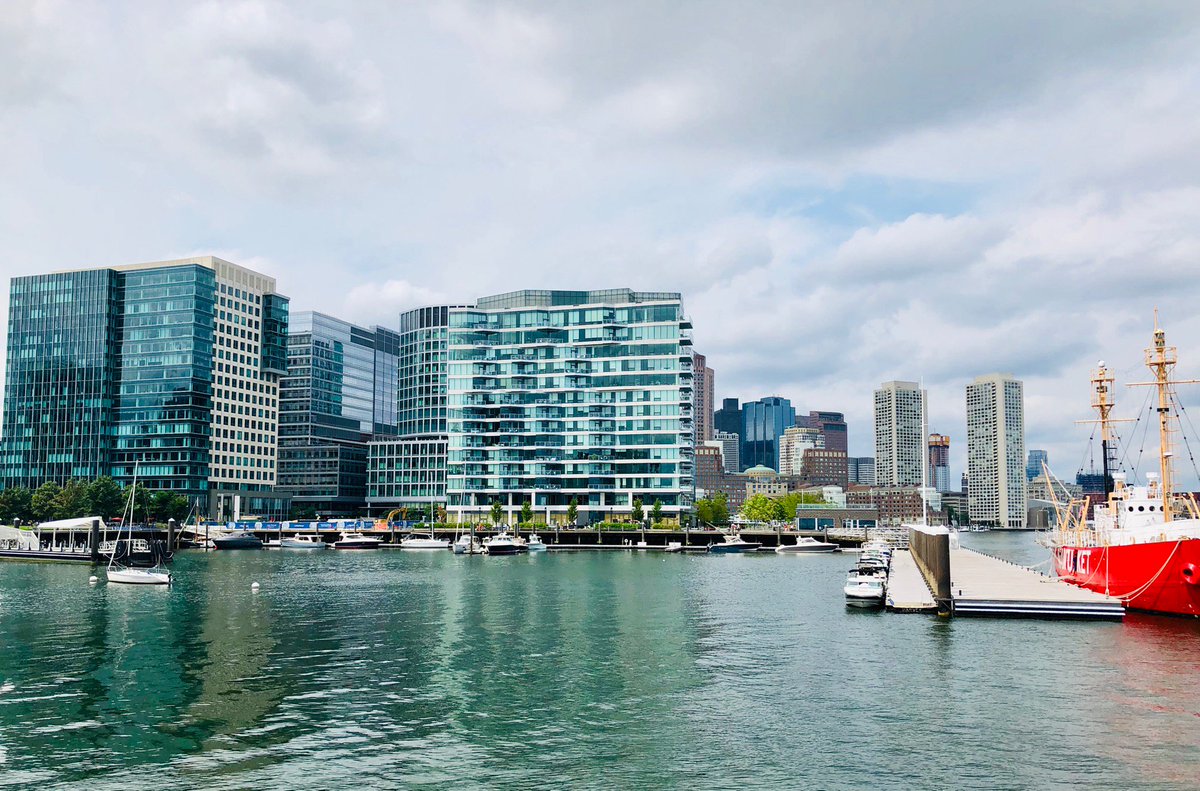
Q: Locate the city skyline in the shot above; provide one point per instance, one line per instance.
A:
(824, 240)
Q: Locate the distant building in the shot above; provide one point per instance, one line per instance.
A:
(824, 467)
(996, 451)
(832, 426)
(939, 462)
(897, 505)
(763, 423)
(712, 478)
(792, 445)
(704, 377)
(729, 417)
(1094, 483)
(861, 470)
(900, 433)
(1033, 467)
(731, 452)
(963, 482)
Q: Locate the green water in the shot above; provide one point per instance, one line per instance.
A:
(590, 670)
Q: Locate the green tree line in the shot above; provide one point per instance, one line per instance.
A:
(760, 508)
(102, 497)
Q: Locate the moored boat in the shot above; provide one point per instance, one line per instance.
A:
(357, 541)
(503, 544)
(1143, 544)
(534, 543)
(426, 542)
(301, 542)
(806, 546)
(864, 590)
(467, 545)
(733, 544)
(239, 539)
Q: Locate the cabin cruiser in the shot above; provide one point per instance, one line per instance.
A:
(535, 544)
(733, 544)
(864, 590)
(503, 544)
(357, 541)
(301, 542)
(806, 546)
(467, 545)
(239, 539)
(426, 541)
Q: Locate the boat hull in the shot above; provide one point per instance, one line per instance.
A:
(237, 543)
(791, 549)
(735, 549)
(139, 577)
(1156, 577)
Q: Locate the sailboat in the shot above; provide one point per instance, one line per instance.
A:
(1143, 544)
(118, 572)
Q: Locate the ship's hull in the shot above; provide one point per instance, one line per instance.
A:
(1157, 576)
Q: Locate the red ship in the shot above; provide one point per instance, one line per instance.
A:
(1142, 545)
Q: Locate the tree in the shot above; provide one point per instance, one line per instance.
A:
(165, 505)
(45, 501)
(105, 497)
(720, 509)
(656, 512)
(704, 511)
(497, 512)
(761, 508)
(73, 500)
(526, 512)
(573, 510)
(16, 503)
(638, 513)
(141, 504)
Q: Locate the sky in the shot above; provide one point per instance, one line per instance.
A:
(845, 193)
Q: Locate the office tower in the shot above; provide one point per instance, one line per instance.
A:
(939, 462)
(704, 378)
(729, 417)
(340, 391)
(900, 432)
(1033, 467)
(763, 423)
(861, 470)
(792, 445)
(996, 451)
(169, 367)
(408, 471)
(833, 428)
(731, 451)
(561, 396)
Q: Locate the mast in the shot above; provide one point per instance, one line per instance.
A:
(1102, 382)
(1161, 359)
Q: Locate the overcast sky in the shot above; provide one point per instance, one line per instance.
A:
(846, 193)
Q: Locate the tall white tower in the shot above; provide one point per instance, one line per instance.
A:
(900, 434)
(996, 451)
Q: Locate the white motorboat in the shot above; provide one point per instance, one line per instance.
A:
(357, 541)
(864, 590)
(535, 544)
(427, 541)
(806, 546)
(301, 542)
(467, 545)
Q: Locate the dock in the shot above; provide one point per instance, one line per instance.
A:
(906, 588)
(985, 585)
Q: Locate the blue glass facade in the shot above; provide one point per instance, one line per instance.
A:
(557, 396)
(61, 378)
(763, 423)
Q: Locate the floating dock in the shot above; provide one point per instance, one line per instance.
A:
(906, 588)
(984, 585)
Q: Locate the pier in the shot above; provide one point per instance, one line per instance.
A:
(963, 582)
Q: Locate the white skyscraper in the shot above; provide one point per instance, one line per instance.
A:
(793, 443)
(996, 451)
(901, 429)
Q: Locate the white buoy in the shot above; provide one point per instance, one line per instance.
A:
(92, 580)
(254, 587)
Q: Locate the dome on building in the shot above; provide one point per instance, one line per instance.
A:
(761, 471)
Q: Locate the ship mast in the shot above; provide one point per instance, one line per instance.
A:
(1161, 359)
(1102, 382)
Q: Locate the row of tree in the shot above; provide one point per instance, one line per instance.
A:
(638, 514)
(761, 508)
(102, 497)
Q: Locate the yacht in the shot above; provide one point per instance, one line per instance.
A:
(864, 590)
(301, 542)
(806, 546)
(357, 541)
(535, 543)
(131, 576)
(733, 544)
(503, 544)
(426, 541)
(239, 539)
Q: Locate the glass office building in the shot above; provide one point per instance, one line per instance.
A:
(329, 409)
(169, 367)
(763, 423)
(561, 396)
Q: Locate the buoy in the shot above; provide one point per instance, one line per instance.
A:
(254, 586)
(92, 580)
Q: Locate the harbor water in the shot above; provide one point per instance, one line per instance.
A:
(393, 669)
